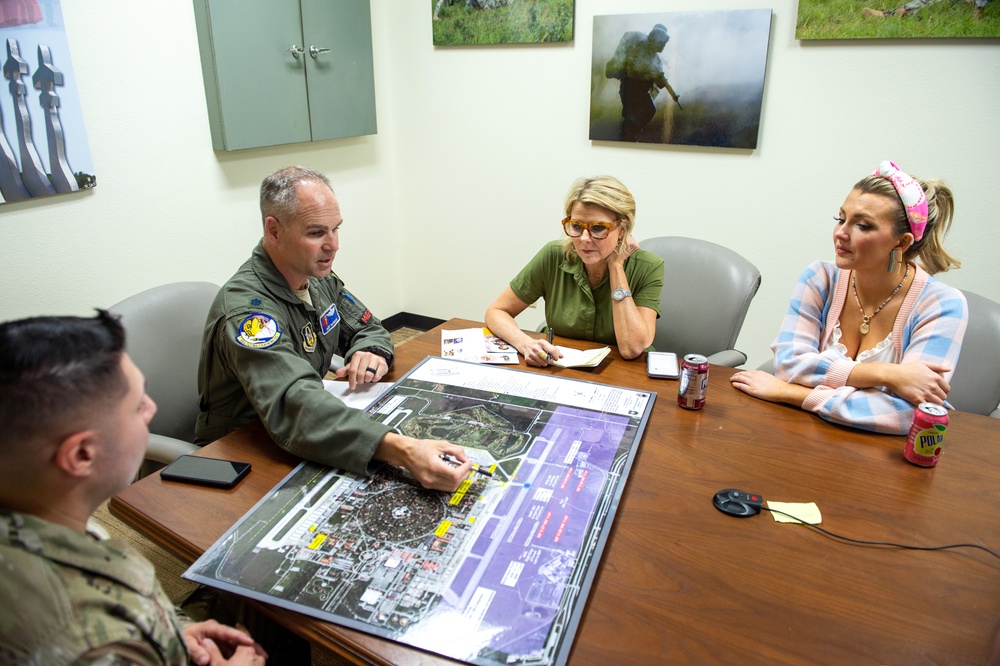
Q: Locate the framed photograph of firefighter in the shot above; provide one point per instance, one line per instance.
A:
(897, 19)
(464, 22)
(43, 145)
(684, 78)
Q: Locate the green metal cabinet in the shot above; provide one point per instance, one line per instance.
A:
(285, 71)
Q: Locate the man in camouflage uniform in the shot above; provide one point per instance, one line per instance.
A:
(75, 414)
(636, 64)
(273, 330)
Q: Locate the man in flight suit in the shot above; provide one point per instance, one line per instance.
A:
(273, 330)
(75, 413)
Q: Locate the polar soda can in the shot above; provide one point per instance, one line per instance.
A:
(923, 444)
(693, 382)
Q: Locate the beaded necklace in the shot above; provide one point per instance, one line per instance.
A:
(864, 328)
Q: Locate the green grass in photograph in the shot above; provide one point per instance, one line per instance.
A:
(842, 19)
(519, 22)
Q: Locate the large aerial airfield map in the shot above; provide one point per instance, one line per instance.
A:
(495, 573)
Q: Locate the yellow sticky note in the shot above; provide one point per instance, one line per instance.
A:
(804, 512)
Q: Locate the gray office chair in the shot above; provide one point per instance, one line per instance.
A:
(707, 289)
(975, 386)
(164, 327)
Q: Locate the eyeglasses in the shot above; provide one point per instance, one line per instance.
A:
(597, 230)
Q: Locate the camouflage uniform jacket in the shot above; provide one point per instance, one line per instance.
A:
(634, 59)
(68, 597)
(264, 354)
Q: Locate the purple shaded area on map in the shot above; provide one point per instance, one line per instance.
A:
(483, 542)
(552, 502)
(504, 505)
(464, 574)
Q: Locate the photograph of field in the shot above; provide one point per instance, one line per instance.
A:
(897, 19)
(467, 22)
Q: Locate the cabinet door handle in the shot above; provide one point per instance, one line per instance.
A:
(296, 51)
(313, 51)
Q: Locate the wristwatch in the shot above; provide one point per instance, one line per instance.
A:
(620, 294)
(378, 351)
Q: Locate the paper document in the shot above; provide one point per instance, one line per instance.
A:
(795, 512)
(581, 358)
(362, 396)
(478, 345)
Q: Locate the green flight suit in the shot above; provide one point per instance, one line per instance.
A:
(264, 354)
(68, 597)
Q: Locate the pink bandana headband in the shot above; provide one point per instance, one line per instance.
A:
(910, 193)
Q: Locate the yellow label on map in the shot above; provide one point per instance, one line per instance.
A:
(318, 541)
(442, 529)
(460, 493)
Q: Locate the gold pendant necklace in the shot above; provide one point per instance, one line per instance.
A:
(864, 327)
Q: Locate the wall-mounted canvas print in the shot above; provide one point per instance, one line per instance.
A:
(43, 145)
(895, 19)
(461, 22)
(687, 78)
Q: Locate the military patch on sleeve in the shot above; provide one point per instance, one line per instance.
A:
(258, 331)
(329, 319)
(308, 338)
(366, 316)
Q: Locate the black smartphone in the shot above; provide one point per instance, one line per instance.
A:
(662, 364)
(205, 471)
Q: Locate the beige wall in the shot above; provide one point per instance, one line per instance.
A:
(475, 150)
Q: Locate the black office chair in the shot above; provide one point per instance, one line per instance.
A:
(164, 327)
(707, 289)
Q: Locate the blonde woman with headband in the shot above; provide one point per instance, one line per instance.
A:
(597, 284)
(872, 335)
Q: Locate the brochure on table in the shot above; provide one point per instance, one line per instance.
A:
(497, 572)
(478, 345)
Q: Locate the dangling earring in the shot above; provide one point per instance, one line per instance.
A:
(895, 260)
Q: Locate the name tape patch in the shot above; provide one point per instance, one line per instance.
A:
(329, 319)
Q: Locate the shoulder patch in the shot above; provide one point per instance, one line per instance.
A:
(258, 331)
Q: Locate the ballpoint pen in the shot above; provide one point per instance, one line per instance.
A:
(552, 335)
(475, 468)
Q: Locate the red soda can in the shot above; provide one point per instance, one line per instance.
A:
(923, 444)
(693, 384)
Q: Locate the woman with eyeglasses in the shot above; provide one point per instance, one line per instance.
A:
(597, 284)
(872, 334)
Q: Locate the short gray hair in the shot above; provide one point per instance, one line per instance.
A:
(277, 192)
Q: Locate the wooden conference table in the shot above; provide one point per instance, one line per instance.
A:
(681, 582)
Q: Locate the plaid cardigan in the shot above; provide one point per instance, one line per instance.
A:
(929, 327)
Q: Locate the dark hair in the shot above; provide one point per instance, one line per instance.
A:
(57, 373)
(277, 192)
